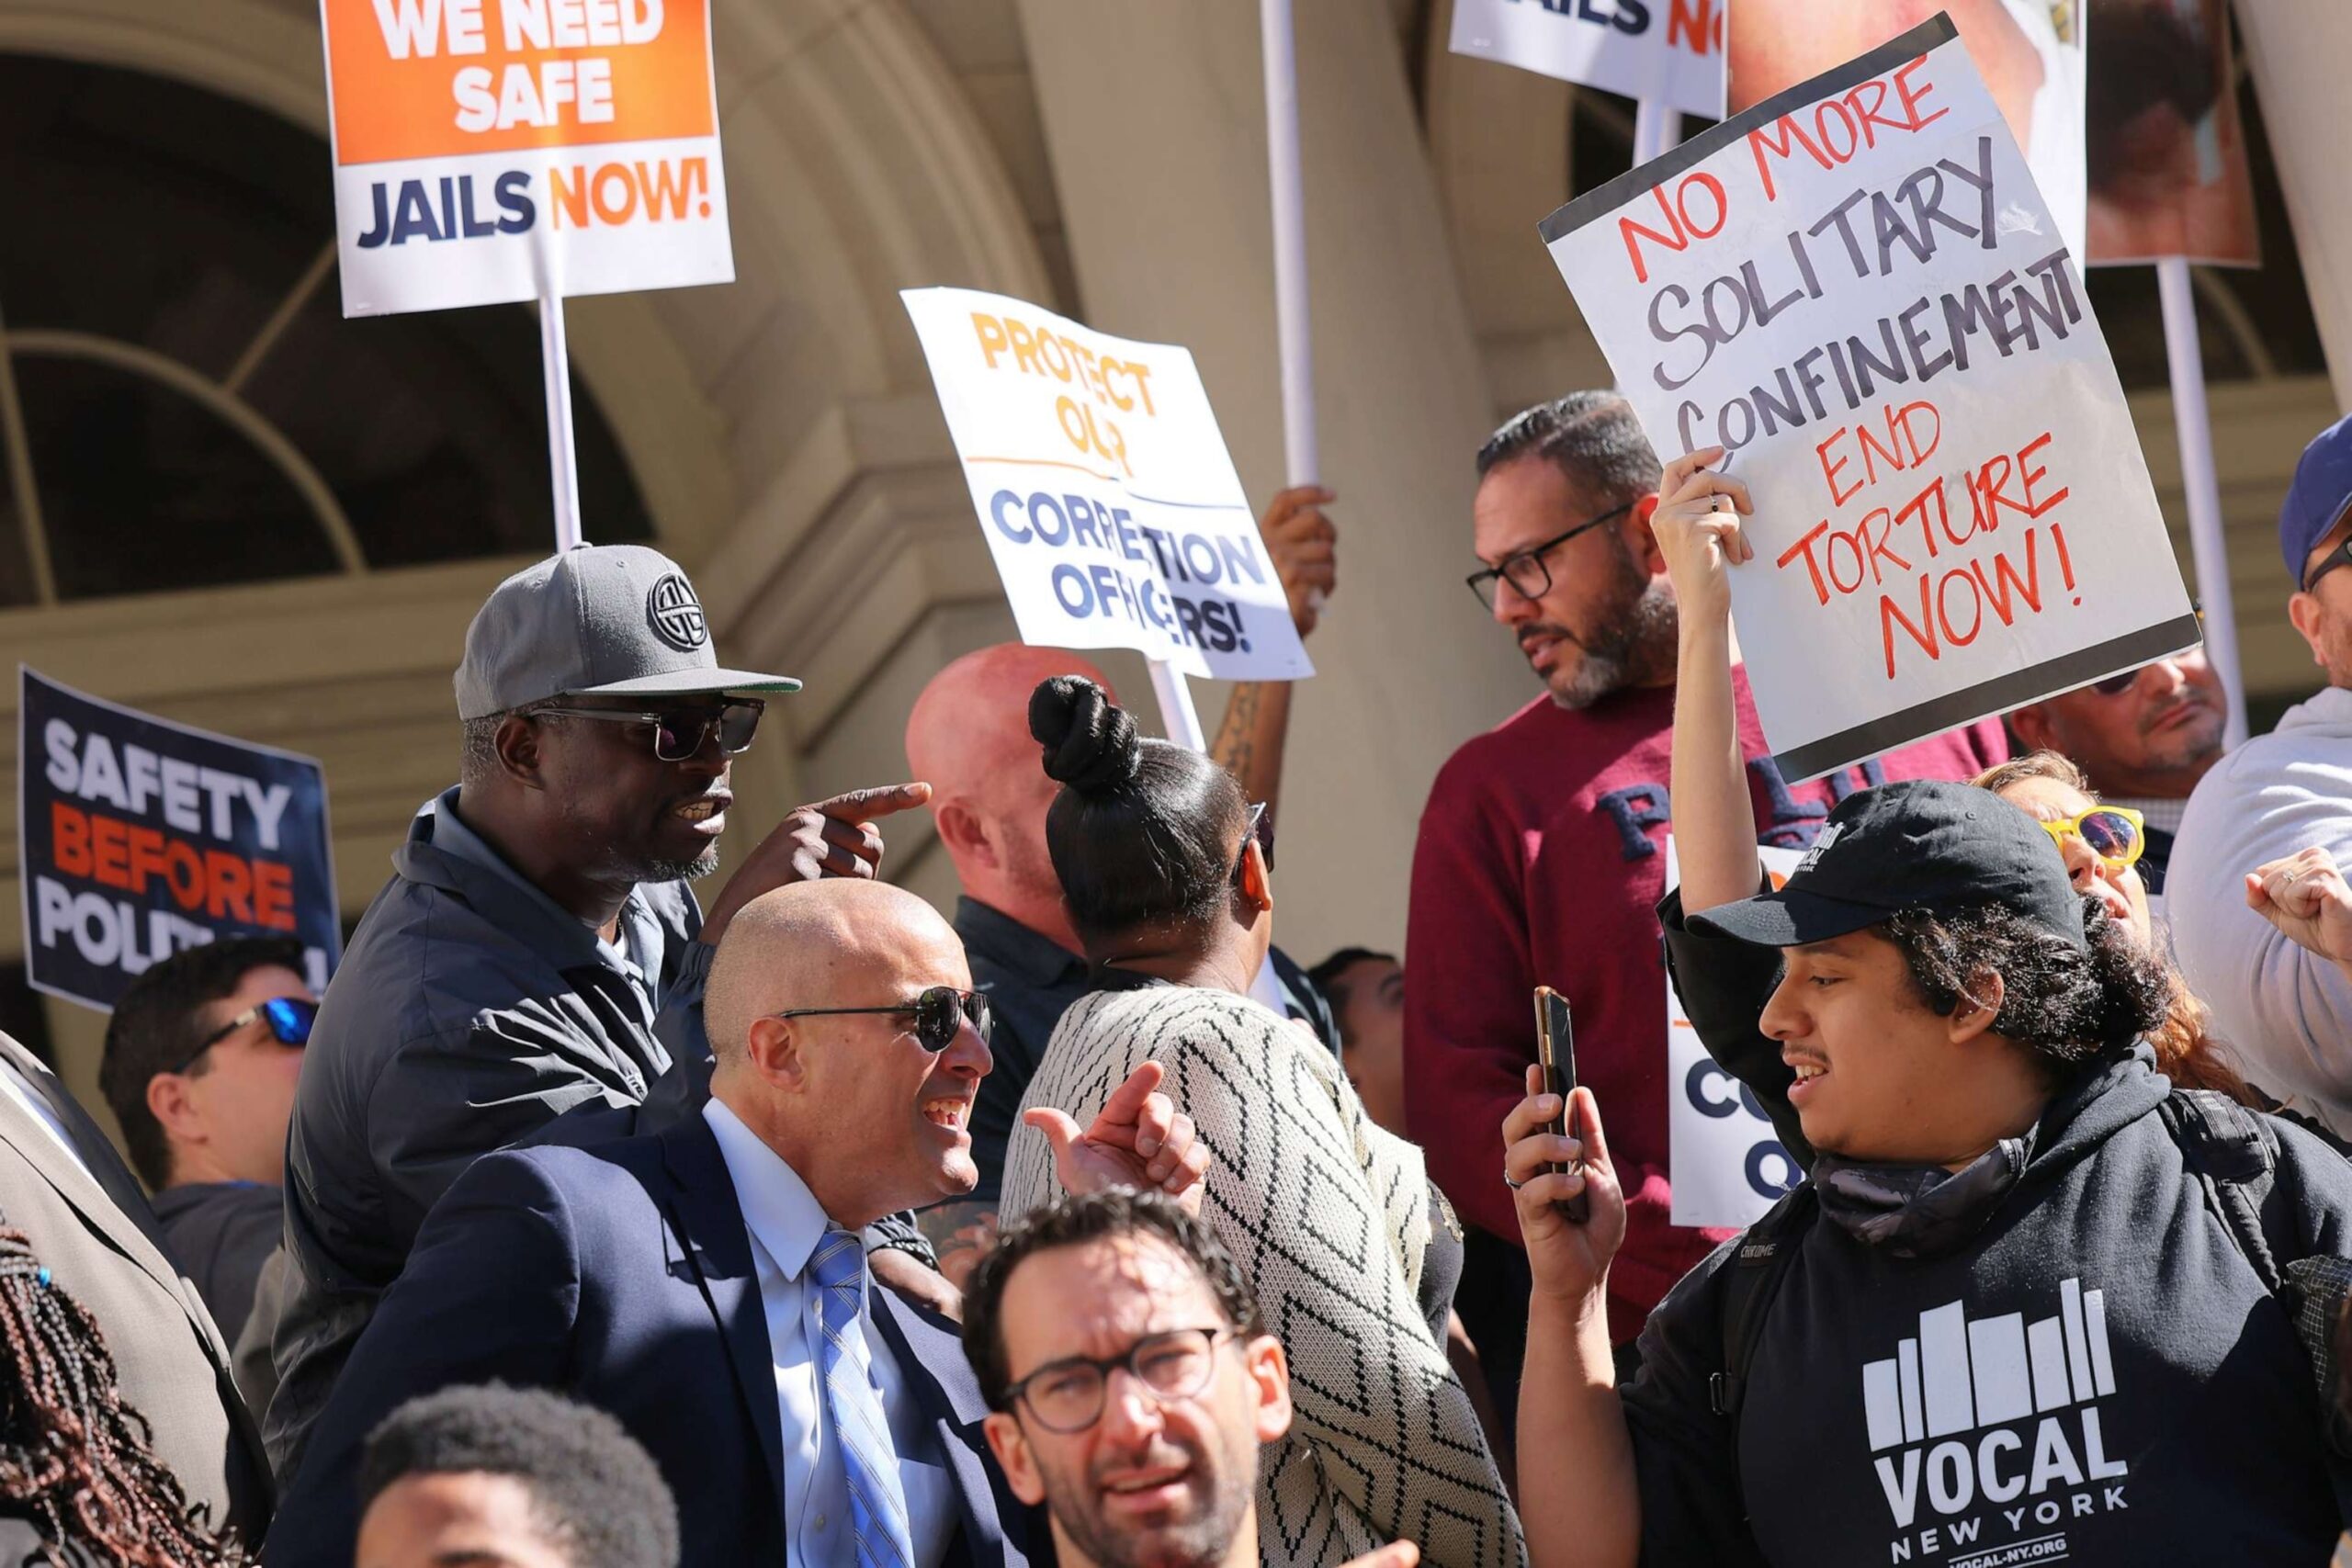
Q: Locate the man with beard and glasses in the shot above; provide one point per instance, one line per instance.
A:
(537, 949)
(2243, 919)
(1131, 1383)
(1542, 853)
(2144, 740)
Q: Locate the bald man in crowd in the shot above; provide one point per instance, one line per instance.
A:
(968, 735)
(704, 1284)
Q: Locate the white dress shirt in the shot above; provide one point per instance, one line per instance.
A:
(785, 1224)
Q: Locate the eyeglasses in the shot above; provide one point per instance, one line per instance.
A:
(680, 734)
(1261, 831)
(1525, 570)
(1067, 1396)
(2340, 556)
(940, 1014)
(290, 1020)
(2116, 686)
(2116, 834)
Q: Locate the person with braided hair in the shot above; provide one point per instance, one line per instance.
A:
(78, 1471)
(1164, 869)
(77, 1208)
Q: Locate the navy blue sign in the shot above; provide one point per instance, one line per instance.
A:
(137, 837)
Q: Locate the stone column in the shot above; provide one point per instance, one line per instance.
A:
(1154, 121)
(2298, 52)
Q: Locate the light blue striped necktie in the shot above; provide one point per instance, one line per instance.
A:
(878, 1508)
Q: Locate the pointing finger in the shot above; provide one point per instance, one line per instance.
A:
(858, 804)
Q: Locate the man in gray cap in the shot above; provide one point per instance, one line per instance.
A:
(537, 951)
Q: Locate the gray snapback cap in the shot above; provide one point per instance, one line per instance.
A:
(604, 620)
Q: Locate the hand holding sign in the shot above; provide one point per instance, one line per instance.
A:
(1698, 530)
(1304, 545)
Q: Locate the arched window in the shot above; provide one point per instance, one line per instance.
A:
(182, 404)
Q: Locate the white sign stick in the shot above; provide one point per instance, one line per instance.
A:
(564, 461)
(2194, 429)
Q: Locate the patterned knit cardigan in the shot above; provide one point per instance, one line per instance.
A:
(1328, 1216)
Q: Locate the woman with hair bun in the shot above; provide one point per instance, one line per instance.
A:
(1165, 867)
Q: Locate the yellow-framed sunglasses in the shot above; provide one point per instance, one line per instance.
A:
(2116, 834)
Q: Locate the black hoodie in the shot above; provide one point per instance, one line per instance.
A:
(2093, 1375)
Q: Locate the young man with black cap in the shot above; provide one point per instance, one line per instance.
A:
(2007, 1320)
(2286, 1011)
(537, 949)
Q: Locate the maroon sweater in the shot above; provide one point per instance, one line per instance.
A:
(1541, 861)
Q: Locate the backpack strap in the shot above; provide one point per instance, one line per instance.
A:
(1753, 1277)
(2234, 1157)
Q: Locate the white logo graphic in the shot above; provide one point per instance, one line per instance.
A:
(1947, 1420)
(1830, 835)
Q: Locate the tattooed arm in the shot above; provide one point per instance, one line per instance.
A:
(1303, 545)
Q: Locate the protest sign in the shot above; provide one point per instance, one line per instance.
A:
(1726, 1165)
(488, 151)
(1104, 489)
(1856, 290)
(2029, 53)
(1670, 51)
(137, 838)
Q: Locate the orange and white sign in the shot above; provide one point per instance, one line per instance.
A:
(490, 150)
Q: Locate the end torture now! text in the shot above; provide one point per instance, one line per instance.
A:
(1937, 594)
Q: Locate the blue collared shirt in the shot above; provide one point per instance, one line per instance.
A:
(785, 1223)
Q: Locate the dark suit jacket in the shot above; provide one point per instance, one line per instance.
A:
(621, 1274)
(101, 1244)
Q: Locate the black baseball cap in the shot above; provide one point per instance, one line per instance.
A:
(1922, 845)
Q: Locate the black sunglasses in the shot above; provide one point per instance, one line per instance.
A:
(940, 1015)
(680, 734)
(2340, 556)
(1524, 569)
(290, 1020)
(1261, 831)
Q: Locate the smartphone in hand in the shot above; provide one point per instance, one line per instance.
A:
(1555, 1053)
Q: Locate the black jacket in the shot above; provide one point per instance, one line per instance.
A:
(465, 1016)
(2097, 1375)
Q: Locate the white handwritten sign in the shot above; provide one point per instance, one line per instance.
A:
(1856, 288)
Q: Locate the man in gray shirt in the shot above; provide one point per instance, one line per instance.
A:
(538, 951)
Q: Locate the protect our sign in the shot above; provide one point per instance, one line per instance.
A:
(1725, 1164)
(1856, 288)
(1104, 487)
(137, 838)
(489, 151)
(1670, 51)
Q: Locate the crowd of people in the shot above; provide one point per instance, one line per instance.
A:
(584, 1221)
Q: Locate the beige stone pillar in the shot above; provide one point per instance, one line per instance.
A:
(2300, 52)
(1155, 120)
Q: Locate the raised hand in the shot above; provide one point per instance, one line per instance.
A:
(1140, 1139)
(832, 838)
(1304, 545)
(1698, 534)
(1570, 1262)
(2305, 895)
